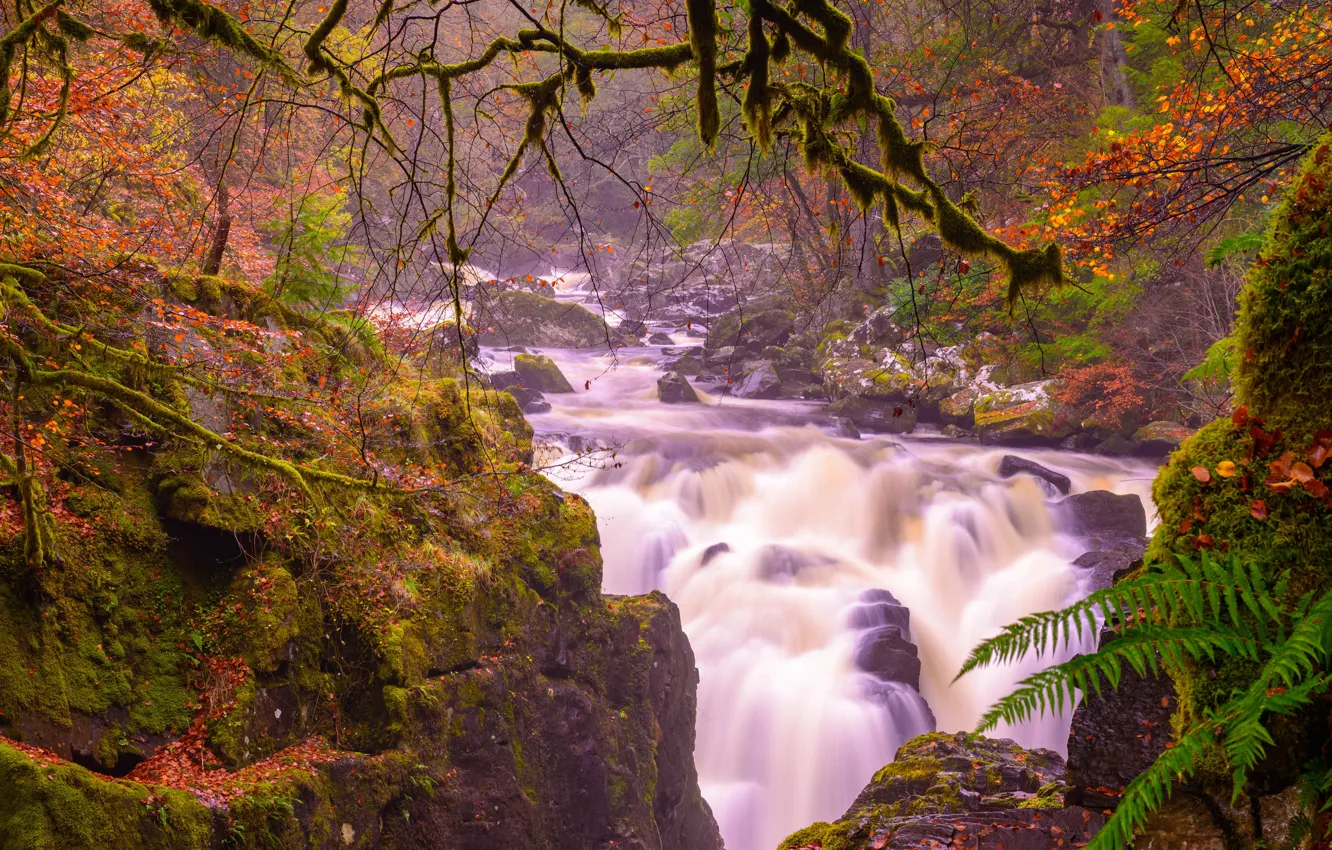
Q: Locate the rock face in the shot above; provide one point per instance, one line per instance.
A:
(752, 331)
(516, 317)
(1011, 465)
(530, 400)
(674, 388)
(943, 791)
(1116, 736)
(540, 373)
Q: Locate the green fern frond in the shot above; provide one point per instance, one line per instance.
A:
(1140, 647)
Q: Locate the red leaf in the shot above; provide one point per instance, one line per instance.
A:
(1258, 510)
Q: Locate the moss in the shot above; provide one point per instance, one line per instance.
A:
(910, 768)
(64, 807)
(540, 373)
(1050, 796)
(829, 836)
(1284, 334)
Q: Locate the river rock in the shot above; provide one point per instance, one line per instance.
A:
(540, 373)
(845, 428)
(1102, 515)
(878, 608)
(759, 381)
(875, 415)
(529, 399)
(1024, 414)
(660, 338)
(713, 551)
(751, 331)
(686, 365)
(674, 388)
(1011, 465)
(515, 317)
(1111, 561)
(886, 653)
(946, 790)
(784, 563)
(957, 409)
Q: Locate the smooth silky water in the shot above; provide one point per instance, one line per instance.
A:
(789, 730)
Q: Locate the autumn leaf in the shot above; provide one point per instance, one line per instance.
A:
(1258, 510)
(1201, 473)
(1226, 469)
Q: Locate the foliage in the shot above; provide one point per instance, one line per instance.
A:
(313, 258)
(1193, 610)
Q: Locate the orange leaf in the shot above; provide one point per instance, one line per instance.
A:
(1301, 472)
(1226, 469)
(1258, 510)
(1201, 473)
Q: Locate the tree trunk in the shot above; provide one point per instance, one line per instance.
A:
(213, 262)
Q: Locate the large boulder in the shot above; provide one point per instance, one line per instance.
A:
(760, 381)
(1024, 414)
(674, 388)
(540, 373)
(948, 790)
(530, 400)
(752, 331)
(516, 317)
(1106, 516)
(869, 414)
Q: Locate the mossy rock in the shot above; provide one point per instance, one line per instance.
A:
(539, 372)
(1282, 380)
(752, 331)
(1024, 413)
(517, 317)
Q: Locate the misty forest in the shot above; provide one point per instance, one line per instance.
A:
(666, 424)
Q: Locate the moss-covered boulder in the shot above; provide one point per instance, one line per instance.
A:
(517, 317)
(1024, 414)
(751, 331)
(539, 372)
(943, 790)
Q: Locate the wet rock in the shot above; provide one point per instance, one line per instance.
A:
(874, 415)
(956, 433)
(529, 399)
(516, 317)
(660, 339)
(1102, 515)
(713, 551)
(760, 381)
(874, 615)
(631, 328)
(692, 351)
(686, 365)
(674, 388)
(886, 653)
(946, 790)
(1111, 561)
(845, 428)
(783, 563)
(754, 330)
(1011, 465)
(540, 373)
(1116, 736)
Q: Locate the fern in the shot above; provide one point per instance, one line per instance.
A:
(1197, 611)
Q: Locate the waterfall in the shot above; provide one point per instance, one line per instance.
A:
(767, 532)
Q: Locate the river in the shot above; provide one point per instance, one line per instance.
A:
(789, 730)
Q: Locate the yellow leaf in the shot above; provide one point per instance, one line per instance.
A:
(1226, 469)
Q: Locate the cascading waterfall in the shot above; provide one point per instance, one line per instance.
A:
(768, 532)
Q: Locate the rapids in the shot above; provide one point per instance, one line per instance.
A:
(789, 730)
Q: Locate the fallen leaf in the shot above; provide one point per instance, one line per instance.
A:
(1201, 473)
(1226, 469)
(1258, 510)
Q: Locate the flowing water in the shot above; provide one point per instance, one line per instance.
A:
(789, 730)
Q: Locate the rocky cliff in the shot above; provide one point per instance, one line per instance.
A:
(208, 659)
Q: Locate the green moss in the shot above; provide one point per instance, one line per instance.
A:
(64, 807)
(1050, 796)
(829, 836)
